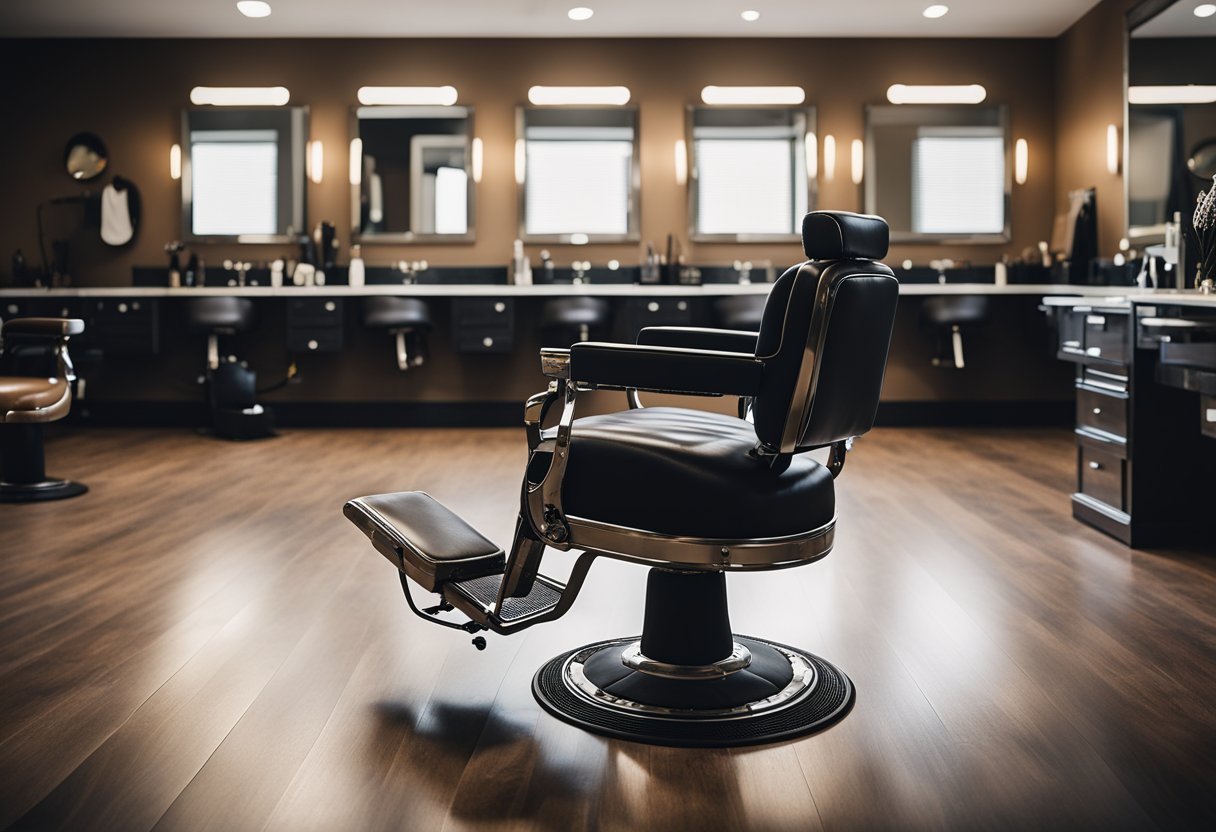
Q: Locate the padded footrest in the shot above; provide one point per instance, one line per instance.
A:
(423, 539)
(483, 592)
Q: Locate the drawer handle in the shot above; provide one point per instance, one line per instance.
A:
(1095, 466)
(682, 306)
(487, 342)
(1095, 320)
(653, 306)
(312, 344)
(330, 306)
(1097, 411)
(499, 307)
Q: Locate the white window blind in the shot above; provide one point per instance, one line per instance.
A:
(746, 186)
(451, 201)
(958, 181)
(578, 187)
(234, 182)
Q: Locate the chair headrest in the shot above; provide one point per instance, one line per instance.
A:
(840, 235)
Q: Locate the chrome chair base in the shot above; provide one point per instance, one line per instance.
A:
(782, 693)
(32, 492)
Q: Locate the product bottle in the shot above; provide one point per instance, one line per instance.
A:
(191, 275)
(355, 272)
(175, 271)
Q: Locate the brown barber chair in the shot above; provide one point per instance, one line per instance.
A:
(35, 388)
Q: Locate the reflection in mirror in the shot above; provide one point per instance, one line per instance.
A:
(750, 172)
(85, 157)
(413, 181)
(1170, 135)
(578, 174)
(939, 173)
(243, 175)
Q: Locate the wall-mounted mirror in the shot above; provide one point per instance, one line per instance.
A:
(414, 180)
(85, 156)
(1171, 115)
(939, 173)
(748, 173)
(578, 174)
(243, 176)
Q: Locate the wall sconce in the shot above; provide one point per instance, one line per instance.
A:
(316, 161)
(829, 157)
(428, 96)
(681, 160)
(1021, 161)
(788, 96)
(240, 96)
(477, 152)
(1112, 149)
(859, 161)
(175, 162)
(812, 156)
(356, 161)
(521, 161)
(558, 96)
(936, 94)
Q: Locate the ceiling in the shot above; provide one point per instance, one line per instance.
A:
(537, 18)
(1178, 21)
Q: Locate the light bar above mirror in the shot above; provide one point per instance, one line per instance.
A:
(240, 96)
(743, 96)
(587, 96)
(936, 94)
(444, 96)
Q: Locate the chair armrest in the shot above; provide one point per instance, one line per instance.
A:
(665, 369)
(699, 338)
(43, 327)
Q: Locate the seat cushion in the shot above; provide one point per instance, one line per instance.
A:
(24, 399)
(390, 312)
(691, 473)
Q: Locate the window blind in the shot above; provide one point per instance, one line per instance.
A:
(234, 182)
(578, 187)
(746, 186)
(958, 183)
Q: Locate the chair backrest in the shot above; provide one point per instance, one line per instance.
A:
(825, 336)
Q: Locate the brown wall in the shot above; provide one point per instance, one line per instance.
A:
(131, 92)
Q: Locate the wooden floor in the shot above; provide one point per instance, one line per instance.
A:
(203, 642)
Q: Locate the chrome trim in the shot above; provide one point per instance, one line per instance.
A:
(700, 553)
(633, 658)
(555, 362)
(803, 682)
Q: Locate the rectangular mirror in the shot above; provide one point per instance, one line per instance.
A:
(939, 173)
(1170, 134)
(578, 175)
(413, 181)
(752, 173)
(243, 175)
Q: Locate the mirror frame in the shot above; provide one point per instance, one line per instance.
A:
(914, 238)
(359, 237)
(633, 233)
(299, 116)
(90, 141)
(809, 112)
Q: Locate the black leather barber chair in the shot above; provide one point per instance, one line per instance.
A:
(950, 316)
(740, 312)
(408, 320)
(691, 494)
(35, 388)
(565, 321)
(231, 384)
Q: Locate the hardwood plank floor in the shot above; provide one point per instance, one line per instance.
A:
(203, 642)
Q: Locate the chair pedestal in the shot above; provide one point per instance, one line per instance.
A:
(688, 681)
(23, 468)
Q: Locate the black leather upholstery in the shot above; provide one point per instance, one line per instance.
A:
(687, 472)
(50, 328)
(699, 338)
(665, 368)
(740, 312)
(955, 310)
(390, 312)
(426, 540)
(575, 312)
(840, 235)
(227, 313)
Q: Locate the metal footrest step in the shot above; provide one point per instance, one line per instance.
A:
(483, 592)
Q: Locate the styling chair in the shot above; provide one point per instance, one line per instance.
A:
(691, 494)
(950, 316)
(231, 384)
(572, 320)
(740, 312)
(36, 379)
(408, 320)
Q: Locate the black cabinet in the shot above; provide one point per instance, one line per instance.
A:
(315, 324)
(485, 325)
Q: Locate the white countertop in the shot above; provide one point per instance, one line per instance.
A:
(546, 290)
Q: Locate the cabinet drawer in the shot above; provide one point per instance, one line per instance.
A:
(1102, 411)
(498, 313)
(126, 326)
(484, 340)
(314, 312)
(314, 339)
(1106, 336)
(1101, 476)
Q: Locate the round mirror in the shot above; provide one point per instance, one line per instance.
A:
(85, 156)
(1203, 159)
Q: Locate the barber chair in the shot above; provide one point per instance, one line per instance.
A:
(35, 388)
(950, 316)
(691, 494)
(231, 384)
(741, 312)
(570, 320)
(408, 320)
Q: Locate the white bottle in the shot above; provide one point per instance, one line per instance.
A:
(521, 267)
(355, 274)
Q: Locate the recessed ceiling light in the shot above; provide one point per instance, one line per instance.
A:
(253, 8)
(1205, 10)
(935, 11)
(580, 13)
(751, 15)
